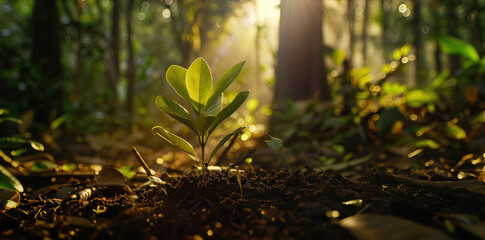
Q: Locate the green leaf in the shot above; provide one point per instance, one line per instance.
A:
(13, 142)
(393, 88)
(224, 140)
(58, 121)
(175, 111)
(10, 119)
(275, 144)
(175, 140)
(455, 46)
(199, 83)
(455, 131)
(176, 78)
(438, 81)
(171, 107)
(216, 107)
(36, 145)
(338, 148)
(201, 124)
(68, 167)
(43, 165)
(224, 82)
(429, 143)
(229, 109)
(128, 171)
(479, 118)
(420, 97)
(338, 57)
(7, 180)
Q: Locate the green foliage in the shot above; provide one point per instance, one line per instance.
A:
(128, 171)
(8, 181)
(452, 46)
(195, 87)
(277, 145)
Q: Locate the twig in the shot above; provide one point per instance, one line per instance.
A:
(240, 182)
(142, 162)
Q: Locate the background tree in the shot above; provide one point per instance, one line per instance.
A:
(46, 56)
(300, 71)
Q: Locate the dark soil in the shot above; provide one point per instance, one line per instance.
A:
(273, 205)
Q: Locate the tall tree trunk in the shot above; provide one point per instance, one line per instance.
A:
(437, 31)
(385, 27)
(46, 50)
(451, 19)
(131, 70)
(476, 26)
(364, 31)
(300, 72)
(46, 55)
(350, 22)
(418, 43)
(114, 58)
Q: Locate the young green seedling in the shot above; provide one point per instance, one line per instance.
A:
(277, 145)
(194, 85)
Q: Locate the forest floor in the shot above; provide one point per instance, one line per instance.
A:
(261, 204)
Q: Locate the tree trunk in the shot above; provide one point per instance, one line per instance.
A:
(46, 50)
(46, 55)
(131, 70)
(385, 27)
(364, 32)
(114, 59)
(350, 22)
(451, 19)
(418, 44)
(300, 72)
(477, 37)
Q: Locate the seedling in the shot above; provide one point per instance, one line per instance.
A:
(277, 145)
(194, 85)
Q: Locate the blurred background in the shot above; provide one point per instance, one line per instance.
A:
(341, 81)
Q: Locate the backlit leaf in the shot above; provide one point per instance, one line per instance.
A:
(10, 119)
(171, 107)
(128, 171)
(224, 140)
(479, 118)
(275, 144)
(426, 143)
(7, 180)
(13, 142)
(229, 109)
(438, 81)
(201, 124)
(176, 78)
(175, 141)
(175, 111)
(455, 46)
(199, 82)
(455, 131)
(36, 145)
(216, 107)
(224, 82)
(420, 97)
